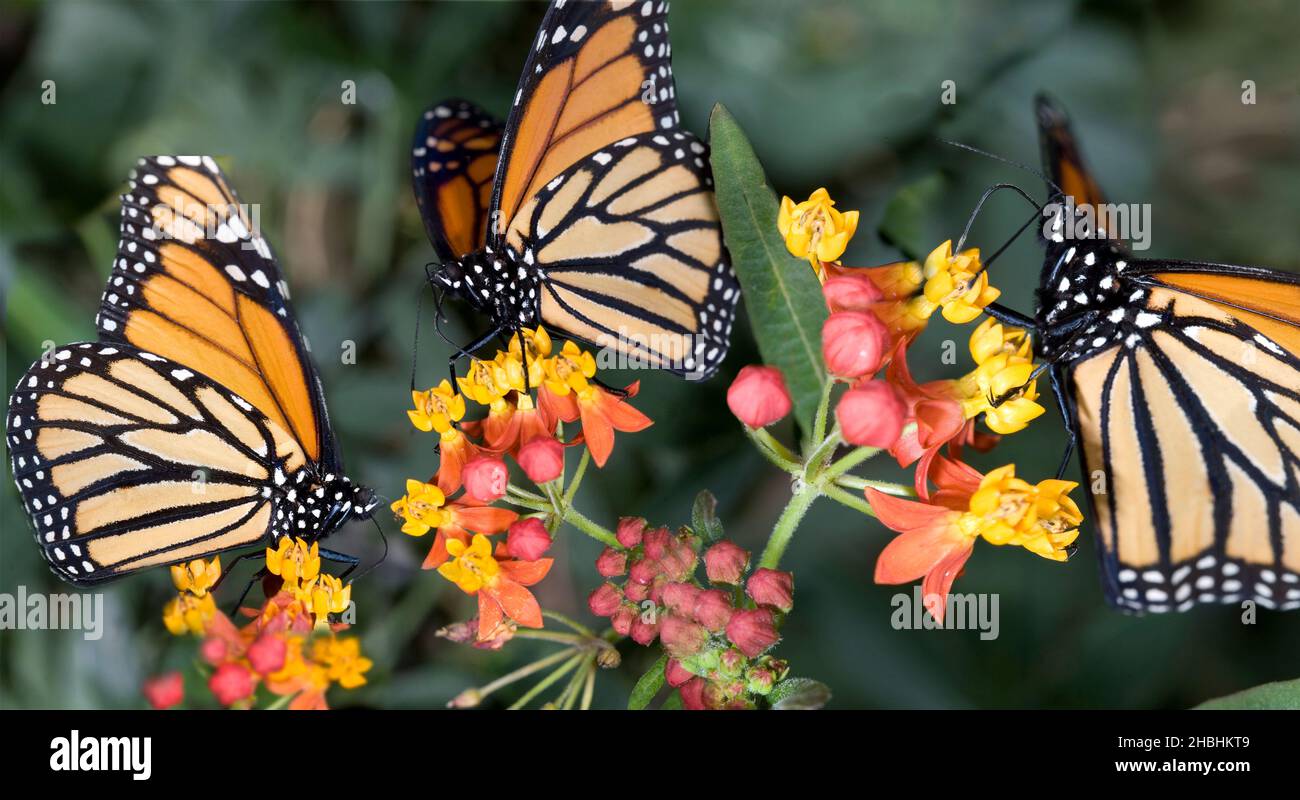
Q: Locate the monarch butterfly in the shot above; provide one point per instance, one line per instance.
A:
(1181, 380)
(196, 423)
(589, 210)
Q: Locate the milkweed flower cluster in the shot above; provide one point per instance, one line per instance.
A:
(290, 646)
(873, 315)
(716, 633)
(530, 391)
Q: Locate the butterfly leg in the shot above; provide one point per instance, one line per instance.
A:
(468, 351)
(1009, 316)
(257, 576)
(1066, 407)
(340, 558)
(254, 554)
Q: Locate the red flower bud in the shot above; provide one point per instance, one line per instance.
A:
(527, 539)
(605, 600)
(753, 631)
(680, 598)
(681, 637)
(622, 619)
(485, 479)
(165, 691)
(693, 694)
(656, 593)
(675, 674)
(854, 343)
(266, 654)
(542, 459)
(611, 562)
(630, 530)
(769, 587)
(726, 562)
(871, 414)
(213, 650)
(758, 396)
(231, 683)
(643, 633)
(713, 610)
(850, 293)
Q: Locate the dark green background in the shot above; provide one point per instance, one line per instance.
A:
(842, 94)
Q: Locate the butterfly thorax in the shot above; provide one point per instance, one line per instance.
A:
(498, 283)
(1087, 302)
(312, 506)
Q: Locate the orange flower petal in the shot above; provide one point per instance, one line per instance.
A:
(483, 519)
(526, 573)
(518, 603)
(489, 615)
(899, 514)
(438, 554)
(938, 581)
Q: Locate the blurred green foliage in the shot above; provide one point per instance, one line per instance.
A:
(832, 92)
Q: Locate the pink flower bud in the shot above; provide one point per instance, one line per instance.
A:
(713, 610)
(731, 662)
(622, 619)
(657, 589)
(643, 632)
(266, 654)
(675, 674)
(656, 543)
(643, 571)
(165, 691)
(679, 563)
(485, 478)
(758, 396)
(680, 598)
(542, 459)
(753, 631)
(850, 293)
(605, 600)
(213, 650)
(871, 414)
(611, 562)
(726, 562)
(527, 539)
(231, 683)
(854, 343)
(630, 530)
(693, 694)
(636, 592)
(681, 637)
(769, 587)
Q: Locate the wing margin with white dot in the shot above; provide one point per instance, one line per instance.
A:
(126, 460)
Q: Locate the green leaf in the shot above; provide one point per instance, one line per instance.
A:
(782, 295)
(673, 703)
(1282, 695)
(704, 517)
(908, 220)
(799, 694)
(648, 686)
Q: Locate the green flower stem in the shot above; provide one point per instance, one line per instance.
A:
(281, 703)
(571, 639)
(851, 500)
(589, 688)
(544, 683)
(577, 477)
(522, 672)
(532, 505)
(569, 697)
(767, 447)
(813, 466)
(568, 622)
(600, 534)
(520, 492)
(787, 523)
(848, 462)
(854, 482)
(823, 410)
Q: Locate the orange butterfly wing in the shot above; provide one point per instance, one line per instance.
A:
(453, 161)
(193, 282)
(597, 73)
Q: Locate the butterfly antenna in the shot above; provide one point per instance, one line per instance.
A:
(989, 192)
(1004, 160)
(382, 558)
